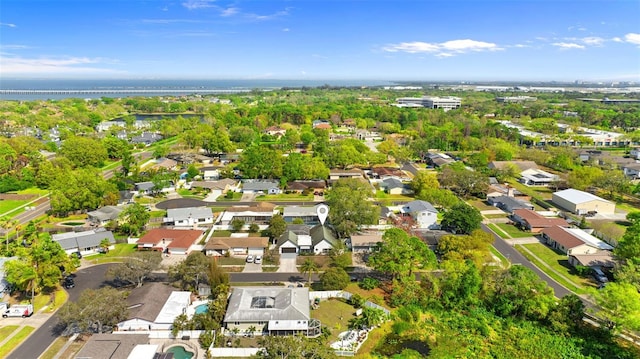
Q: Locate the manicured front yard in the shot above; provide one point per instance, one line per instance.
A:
(560, 264)
(286, 197)
(15, 341)
(513, 231)
(9, 205)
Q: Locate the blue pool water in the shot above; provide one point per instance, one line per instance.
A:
(179, 352)
(202, 308)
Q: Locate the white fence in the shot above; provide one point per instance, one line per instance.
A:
(234, 352)
(346, 295)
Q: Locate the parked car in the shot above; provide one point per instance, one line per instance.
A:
(3, 307)
(19, 311)
(599, 275)
(68, 283)
(257, 260)
(249, 258)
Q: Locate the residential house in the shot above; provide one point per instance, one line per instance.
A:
(438, 159)
(171, 241)
(86, 242)
(422, 212)
(154, 306)
(602, 259)
(590, 155)
(336, 174)
(308, 215)
(259, 214)
(148, 188)
(4, 285)
(260, 187)
(573, 241)
(534, 222)
(537, 177)
(220, 246)
(632, 171)
(395, 186)
(321, 124)
(580, 202)
(383, 173)
(271, 310)
(318, 239)
(367, 135)
(211, 173)
(275, 131)
(118, 346)
(125, 197)
(216, 188)
(635, 153)
(309, 186)
(165, 164)
(104, 215)
(509, 204)
(365, 242)
(496, 189)
(146, 138)
(189, 217)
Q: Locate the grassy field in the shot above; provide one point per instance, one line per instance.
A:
(114, 255)
(513, 231)
(497, 229)
(10, 205)
(559, 263)
(286, 197)
(334, 314)
(481, 205)
(231, 261)
(15, 341)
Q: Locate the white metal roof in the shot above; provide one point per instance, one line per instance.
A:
(143, 351)
(589, 239)
(575, 196)
(176, 304)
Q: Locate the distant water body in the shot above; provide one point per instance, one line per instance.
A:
(22, 89)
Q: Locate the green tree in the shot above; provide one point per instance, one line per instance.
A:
(261, 162)
(237, 224)
(7, 223)
(137, 268)
(350, 207)
(293, 347)
(96, 310)
(461, 218)
(191, 271)
(309, 267)
(132, 220)
(399, 254)
(84, 151)
(628, 247)
(334, 278)
(474, 246)
(620, 306)
(277, 226)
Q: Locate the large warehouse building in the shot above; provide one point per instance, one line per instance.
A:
(580, 202)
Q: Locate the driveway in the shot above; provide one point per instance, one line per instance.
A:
(288, 263)
(252, 268)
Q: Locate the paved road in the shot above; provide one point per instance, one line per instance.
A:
(39, 341)
(516, 258)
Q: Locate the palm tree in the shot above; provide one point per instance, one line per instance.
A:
(309, 267)
(7, 223)
(252, 329)
(104, 244)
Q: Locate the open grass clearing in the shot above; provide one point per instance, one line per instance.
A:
(375, 295)
(513, 231)
(15, 340)
(334, 313)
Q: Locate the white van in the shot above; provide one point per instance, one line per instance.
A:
(18, 311)
(3, 307)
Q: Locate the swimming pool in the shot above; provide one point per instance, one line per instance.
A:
(179, 352)
(202, 308)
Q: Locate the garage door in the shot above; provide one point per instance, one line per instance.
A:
(288, 250)
(256, 251)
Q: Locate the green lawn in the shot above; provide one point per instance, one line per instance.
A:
(503, 260)
(54, 348)
(285, 197)
(557, 262)
(114, 255)
(33, 190)
(15, 341)
(498, 231)
(334, 313)
(6, 330)
(513, 231)
(481, 205)
(231, 261)
(10, 205)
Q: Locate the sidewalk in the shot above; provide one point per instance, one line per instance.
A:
(35, 321)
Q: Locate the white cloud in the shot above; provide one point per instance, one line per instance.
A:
(632, 38)
(7, 24)
(593, 40)
(568, 45)
(521, 46)
(68, 65)
(229, 11)
(616, 39)
(198, 4)
(275, 15)
(443, 49)
(286, 29)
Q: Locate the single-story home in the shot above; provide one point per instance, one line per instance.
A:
(422, 212)
(573, 241)
(602, 259)
(86, 242)
(154, 306)
(219, 187)
(271, 310)
(496, 189)
(219, 246)
(395, 186)
(304, 239)
(211, 173)
(635, 153)
(146, 138)
(4, 285)
(144, 188)
(114, 345)
(173, 241)
(259, 214)
(260, 187)
(438, 159)
(301, 186)
(632, 171)
(104, 215)
(336, 174)
(188, 217)
(537, 177)
(520, 165)
(389, 172)
(309, 215)
(534, 222)
(365, 242)
(580, 202)
(509, 204)
(165, 163)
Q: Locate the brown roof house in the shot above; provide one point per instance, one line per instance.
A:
(535, 222)
(173, 241)
(219, 246)
(154, 306)
(573, 241)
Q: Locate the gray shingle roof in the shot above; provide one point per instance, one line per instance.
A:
(259, 185)
(262, 304)
(419, 206)
(189, 212)
(80, 240)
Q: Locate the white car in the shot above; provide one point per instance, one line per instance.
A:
(249, 258)
(258, 260)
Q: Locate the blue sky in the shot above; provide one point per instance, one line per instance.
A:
(338, 39)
